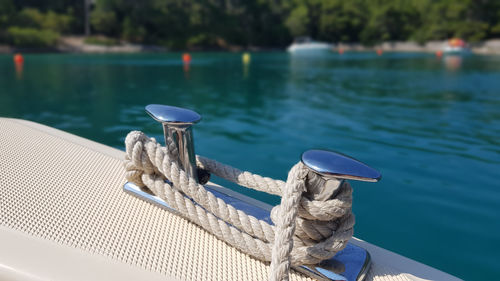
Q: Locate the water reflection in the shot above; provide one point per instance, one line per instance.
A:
(246, 69)
(404, 114)
(185, 67)
(19, 65)
(453, 62)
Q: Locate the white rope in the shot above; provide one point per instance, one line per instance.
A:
(313, 222)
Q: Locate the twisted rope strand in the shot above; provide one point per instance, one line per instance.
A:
(312, 223)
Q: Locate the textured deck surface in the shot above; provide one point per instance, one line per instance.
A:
(68, 190)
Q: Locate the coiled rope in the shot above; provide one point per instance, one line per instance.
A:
(313, 222)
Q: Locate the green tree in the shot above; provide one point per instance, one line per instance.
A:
(31, 17)
(342, 20)
(447, 18)
(298, 21)
(7, 10)
(104, 22)
(133, 32)
(390, 21)
(31, 37)
(221, 23)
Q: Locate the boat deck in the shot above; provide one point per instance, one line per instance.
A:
(64, 216)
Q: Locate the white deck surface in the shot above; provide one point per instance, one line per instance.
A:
(64, 216)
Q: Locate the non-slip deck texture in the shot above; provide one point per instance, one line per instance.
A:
(62, 188)
(67, 192)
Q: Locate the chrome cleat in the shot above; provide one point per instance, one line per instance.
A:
(352, 263)
(177, 128)
(332, 164)
(335, 167)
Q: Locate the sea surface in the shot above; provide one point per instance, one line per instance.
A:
(430, 125)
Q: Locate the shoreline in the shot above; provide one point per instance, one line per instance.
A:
(75, 44)
(487, 47)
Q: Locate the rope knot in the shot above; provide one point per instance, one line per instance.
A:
(324, 221)
(312, 223)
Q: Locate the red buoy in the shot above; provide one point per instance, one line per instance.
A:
(439, 53)
(18, 64)
(186, 58)
(379, 52)
(18, 58)
(341, 51)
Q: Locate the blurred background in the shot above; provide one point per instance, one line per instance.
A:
(411, 87)
(225, 24)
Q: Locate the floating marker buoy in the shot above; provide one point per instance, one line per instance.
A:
(341, 51)
(18, 58)
(186, 58)
(18, 64)
(379, 52)
(245, 58)
(439, 54)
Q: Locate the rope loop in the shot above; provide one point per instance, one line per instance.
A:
(312, 223)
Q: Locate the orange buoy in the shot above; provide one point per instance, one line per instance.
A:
(186, 58)
(18, 58)
(341, 51)
(439, 53)
(379, 52)
(457, 42)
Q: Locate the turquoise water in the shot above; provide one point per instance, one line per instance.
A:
(431, 126)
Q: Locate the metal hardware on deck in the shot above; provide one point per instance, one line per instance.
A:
(336, 165)
(177, 128)
(350, 264)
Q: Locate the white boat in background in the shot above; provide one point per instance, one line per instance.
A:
(307, 45)
(456, 46)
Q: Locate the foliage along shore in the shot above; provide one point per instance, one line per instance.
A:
(79, 44)
(205, 24)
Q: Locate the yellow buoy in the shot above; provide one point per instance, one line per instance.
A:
(246, 58)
